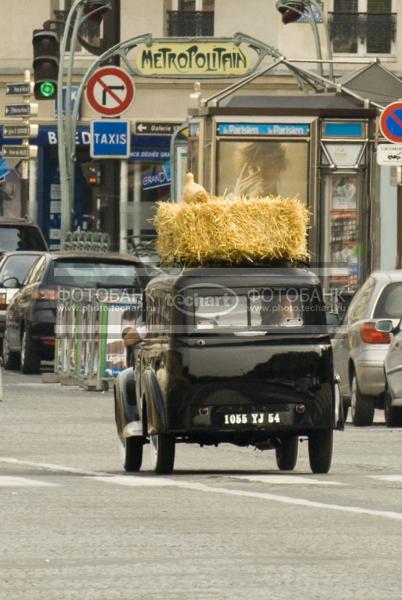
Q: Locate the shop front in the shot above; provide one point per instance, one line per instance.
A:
(96, 205)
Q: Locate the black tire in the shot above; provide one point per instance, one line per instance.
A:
(286, 453)
(392, 414)
(361, 407)
(320, 444)
(30, 359)
(11, 360)
(131, 451)
(162, 453)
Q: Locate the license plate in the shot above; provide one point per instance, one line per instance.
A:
(254, 418)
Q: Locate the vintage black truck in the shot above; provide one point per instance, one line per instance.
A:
(231, 355)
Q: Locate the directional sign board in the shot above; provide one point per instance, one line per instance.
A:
(156, 127)
(20, 131)
(110, 91)
(110, 139)
(391, 122)
(389, 154)
(21, 110)
(20, 151)
(19, 89)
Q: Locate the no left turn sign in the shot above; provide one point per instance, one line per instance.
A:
(110, 91)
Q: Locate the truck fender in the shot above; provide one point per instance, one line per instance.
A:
(157, 421)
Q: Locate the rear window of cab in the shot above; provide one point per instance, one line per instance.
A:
(219, 309)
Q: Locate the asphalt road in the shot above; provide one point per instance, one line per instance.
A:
(225, 526)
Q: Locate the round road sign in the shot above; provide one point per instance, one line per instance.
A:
(110, 91)
(391, 122)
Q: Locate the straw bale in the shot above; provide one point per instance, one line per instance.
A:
(232, 231)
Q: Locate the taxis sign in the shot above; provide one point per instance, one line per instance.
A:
(220, 58)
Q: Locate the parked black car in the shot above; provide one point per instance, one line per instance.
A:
(29, 334)
(20, 234)
(14, 268)
(238, 355)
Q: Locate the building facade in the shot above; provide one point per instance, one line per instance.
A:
(359, 31)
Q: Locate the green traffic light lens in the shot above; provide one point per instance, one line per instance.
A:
(47, 89)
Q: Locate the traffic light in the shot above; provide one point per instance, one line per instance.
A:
(92, 172)
(290, 11)
(46, 56)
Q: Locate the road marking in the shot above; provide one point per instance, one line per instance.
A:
(200, 487)
(49, 467)
(386, 477)
(138, 480)
(285, 480)
(6, 481)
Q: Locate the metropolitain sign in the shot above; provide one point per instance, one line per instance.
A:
(194, 59)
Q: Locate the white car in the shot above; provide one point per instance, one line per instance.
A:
(360, 349)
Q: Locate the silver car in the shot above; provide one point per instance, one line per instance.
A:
(360, 349)
(393, 375)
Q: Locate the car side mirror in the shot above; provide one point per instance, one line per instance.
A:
(11, 282)
(384, 326)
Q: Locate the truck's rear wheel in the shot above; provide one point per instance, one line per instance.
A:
(320, 445)
(286, 453)
(131, 453)
(162, 452)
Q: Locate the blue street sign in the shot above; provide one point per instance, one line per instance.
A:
(74, 92)
(271, 129)
(110, 139)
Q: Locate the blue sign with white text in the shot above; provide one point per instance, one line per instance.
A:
(74, 92)
(110, 139)
(272, 129)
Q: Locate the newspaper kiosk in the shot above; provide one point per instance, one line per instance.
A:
(319, 147)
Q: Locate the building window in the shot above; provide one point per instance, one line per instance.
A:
(189, 18)
(362, 26)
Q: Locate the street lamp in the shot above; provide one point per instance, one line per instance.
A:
(79, 12)
(292, 10)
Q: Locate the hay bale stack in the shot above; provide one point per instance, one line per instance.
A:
(222, 231)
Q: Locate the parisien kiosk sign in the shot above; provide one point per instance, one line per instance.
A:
(196, 58)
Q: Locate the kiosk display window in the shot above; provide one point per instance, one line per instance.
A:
(343, 243)
(262, 168)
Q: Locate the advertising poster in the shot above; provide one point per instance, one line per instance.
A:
(263, 168)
